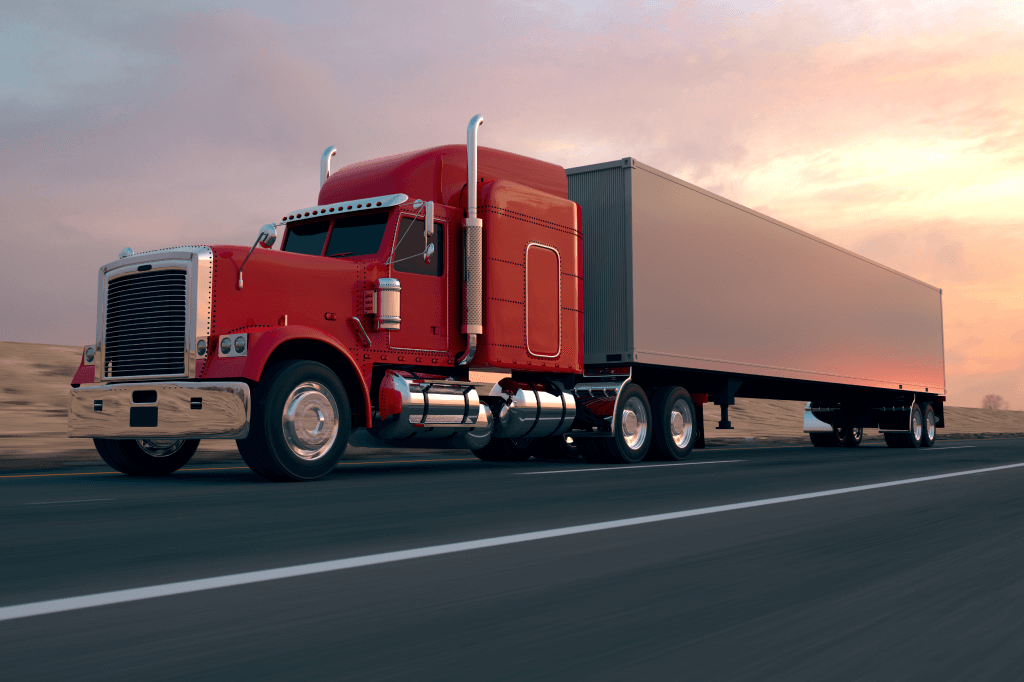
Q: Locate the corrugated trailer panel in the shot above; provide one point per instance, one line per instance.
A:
(607, 326)
(716, 286)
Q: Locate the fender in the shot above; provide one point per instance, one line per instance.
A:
(263, 343)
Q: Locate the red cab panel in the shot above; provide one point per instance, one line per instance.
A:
(532, 262)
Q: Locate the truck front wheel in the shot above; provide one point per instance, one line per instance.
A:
(146, 457)
(300, 424)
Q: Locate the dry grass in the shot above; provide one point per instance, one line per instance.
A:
(34, 381)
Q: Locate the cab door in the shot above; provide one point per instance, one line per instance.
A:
(424, 302)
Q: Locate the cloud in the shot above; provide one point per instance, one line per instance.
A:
(892, 128)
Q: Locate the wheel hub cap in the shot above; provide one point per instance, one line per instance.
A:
(681, 424)
(160, 447)
(634, 424)
(310, 420)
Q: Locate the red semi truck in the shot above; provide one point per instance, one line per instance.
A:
(614, 301)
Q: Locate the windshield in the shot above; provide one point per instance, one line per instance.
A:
(357, 234)
(307, 237)
(353, 234)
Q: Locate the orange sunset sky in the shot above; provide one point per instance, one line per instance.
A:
(894, 129)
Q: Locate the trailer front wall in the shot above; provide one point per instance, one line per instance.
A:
(712, 285)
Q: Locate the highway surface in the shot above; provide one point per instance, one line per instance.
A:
(785, 563)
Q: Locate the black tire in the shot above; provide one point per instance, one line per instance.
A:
(824, 439)
(849, 436)
(912, 439)
(674, 435)
(146, 457)
(507, 450)
(841, 437)
(295, 448)
(928, 437)
(623, 447)
(556, 447)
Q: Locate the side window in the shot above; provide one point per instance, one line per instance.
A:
(409, 252)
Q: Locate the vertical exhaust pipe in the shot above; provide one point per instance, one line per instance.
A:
(472, 251)
(325, 164)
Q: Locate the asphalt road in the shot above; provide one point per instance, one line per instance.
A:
(918, 581)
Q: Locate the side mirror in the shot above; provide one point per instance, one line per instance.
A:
(268, 235)
(428, 226)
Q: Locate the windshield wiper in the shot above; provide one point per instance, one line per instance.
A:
(339, 255)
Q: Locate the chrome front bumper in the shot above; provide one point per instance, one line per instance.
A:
(178, 409)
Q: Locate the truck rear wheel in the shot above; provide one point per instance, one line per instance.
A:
(300, 425)
(912, 439)
(633, 431)
(674, 424)
(146, 457)
(556, 447)
(507, 450)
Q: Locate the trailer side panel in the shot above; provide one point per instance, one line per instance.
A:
(716, 286)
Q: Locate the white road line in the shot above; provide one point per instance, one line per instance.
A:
(187, 586)
(98, 499)
(627, 467)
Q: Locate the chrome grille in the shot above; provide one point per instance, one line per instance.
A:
(146, 324)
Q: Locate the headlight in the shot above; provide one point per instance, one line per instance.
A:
(201, 347)
(239, 344)
(90, 354)
(225, 346)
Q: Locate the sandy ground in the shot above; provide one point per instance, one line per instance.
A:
(34, 381)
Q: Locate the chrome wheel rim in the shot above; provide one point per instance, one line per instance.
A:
(634, 423)
(858, 433)
(931, 426)
(310, 420)
(916, 425)
(681, 424)
(160, 447)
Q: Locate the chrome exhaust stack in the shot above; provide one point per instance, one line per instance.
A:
(325, 164)
(472, 251)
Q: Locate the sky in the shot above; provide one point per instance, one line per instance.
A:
(892, 128)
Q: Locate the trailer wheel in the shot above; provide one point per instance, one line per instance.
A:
(300, 424)
(912, 439)
(507, 450)
(841, 437)
(675, 428)
(850, 437)
(633, 431)
(928, 437)
(146, 457)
